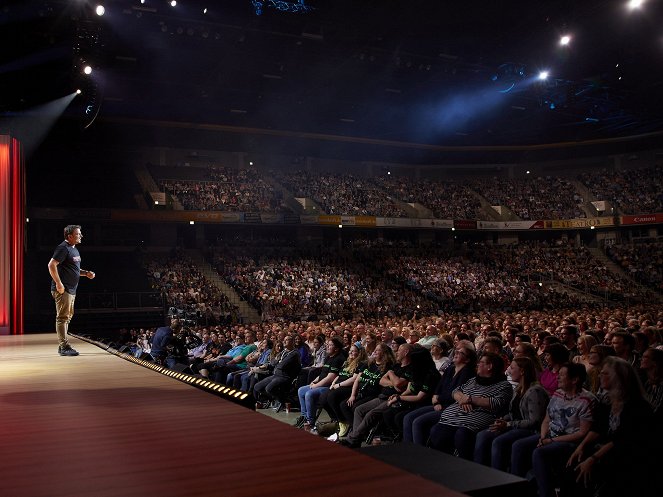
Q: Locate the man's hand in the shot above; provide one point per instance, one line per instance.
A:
(90, 274)
(59, 287)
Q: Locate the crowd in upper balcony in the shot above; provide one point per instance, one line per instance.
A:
(545, 197)
(630, 191)
(341, 194)
(226, 189)
(446, 199)
(532, 198)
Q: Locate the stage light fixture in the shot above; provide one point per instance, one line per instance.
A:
(173, 3)
(87, 70)
(100, 10)
(565, 40)
(205, 10)
(78, 92)
(543, 75)
(635, 4)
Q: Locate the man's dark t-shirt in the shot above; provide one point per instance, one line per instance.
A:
(69, 267)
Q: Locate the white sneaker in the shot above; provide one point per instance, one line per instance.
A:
(333, 437)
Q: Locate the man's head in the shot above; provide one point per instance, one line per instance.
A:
(72, 234)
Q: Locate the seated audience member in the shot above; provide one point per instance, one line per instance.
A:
(597, 354)
(568, 419)
(652, 367)
(555, 356)
(341, 388)
(418, 423)
(309, 395)
(304, 351)
(526, 349)
(493, 344)
(319, 353)
(526, 412)
(623, 442)
(394, 382)
(418, 392)
(624, 345)
(257, 373)
(365, 387)
(432, 336)
(370, 344)
(235, 359)
(285, 371)
(585, 344)
(439, 350)
(478, 403)
(242, 380)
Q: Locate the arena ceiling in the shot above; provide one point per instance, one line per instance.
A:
(423, 71)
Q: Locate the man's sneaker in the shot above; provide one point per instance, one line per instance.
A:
(299, 423)
(67, 350)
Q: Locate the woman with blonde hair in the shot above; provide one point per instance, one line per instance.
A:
(585, 344)
(341, 388)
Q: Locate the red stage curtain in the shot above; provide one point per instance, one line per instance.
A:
(12, 229)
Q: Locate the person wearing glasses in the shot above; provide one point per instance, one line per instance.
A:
(478, 403)
(418, 423)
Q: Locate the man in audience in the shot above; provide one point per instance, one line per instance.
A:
(624, 345)
(285, 371)
(569, 337)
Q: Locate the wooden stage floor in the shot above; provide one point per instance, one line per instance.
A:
(97, 425)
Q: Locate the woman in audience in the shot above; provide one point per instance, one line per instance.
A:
(341, 388)
(623, 442)
(365, 387)
(568, 419)
(424, 379)
(555, 355)
(477, 404)
(585, 344)
(526, 349)
(652, 367)
(526, 412)
(597, 354)
(439, 350)
(370, 343)
(418, 423)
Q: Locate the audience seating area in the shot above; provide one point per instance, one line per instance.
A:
(637, 191)
(633, 191)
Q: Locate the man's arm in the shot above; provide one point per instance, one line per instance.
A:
(88, 274)
(53, 271)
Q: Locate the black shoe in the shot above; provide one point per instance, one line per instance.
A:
(299, 422)
(67, 351)
(347, 443)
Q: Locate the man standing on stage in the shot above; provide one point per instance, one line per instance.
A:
(65, 270)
